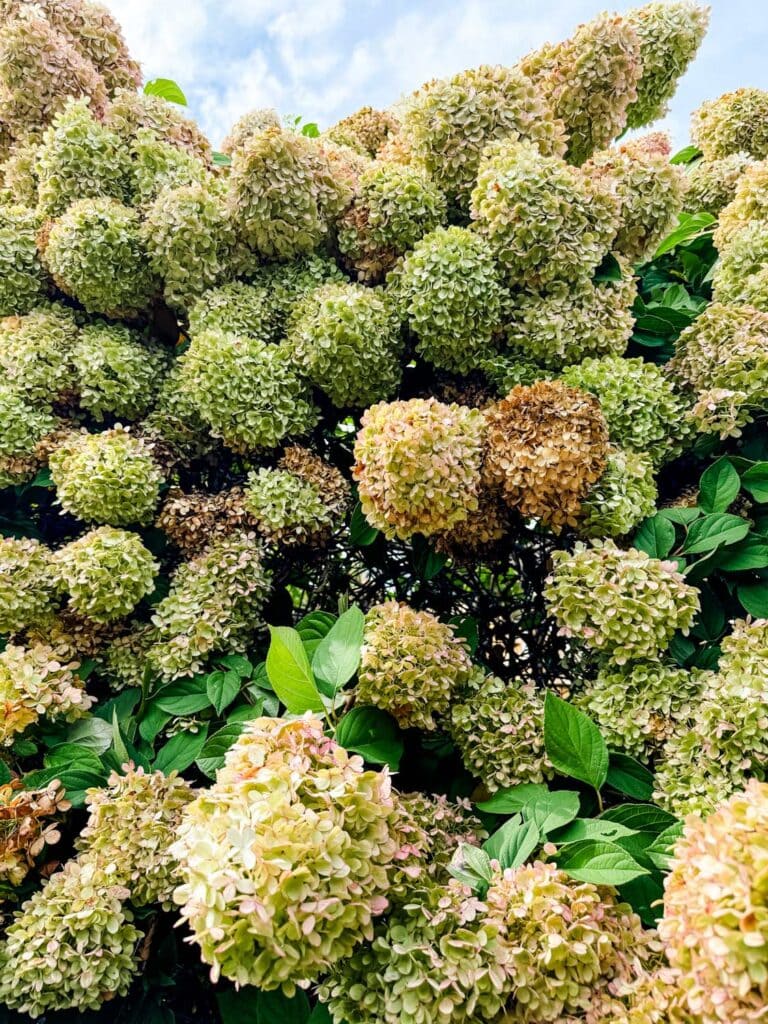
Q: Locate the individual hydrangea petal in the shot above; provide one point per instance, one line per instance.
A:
(589, 81)
(418, 465)
(448, 123)
(547, 445)
(624, 495)
(649, 188)
(670, 35)
(449, 292)
(249, 392)
(412, 665)
(71, 942)
(28, 584)
(214, 604)
(715, 922)
(131, 825)
(621, 603)
(498, 728)
(345, 338)
(545, 220)
(643, 410)
(106, 478)
(712, 184)
(106, 573)
(95, 253)
(23, 281)
(736, 122)
(292, 850)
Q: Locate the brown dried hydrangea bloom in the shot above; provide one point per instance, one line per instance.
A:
(547, 445)
(193, 520)
(480, 533)
(24, 830)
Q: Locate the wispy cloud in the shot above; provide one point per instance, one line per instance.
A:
(324, 58)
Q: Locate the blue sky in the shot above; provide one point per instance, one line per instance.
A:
(324, 58)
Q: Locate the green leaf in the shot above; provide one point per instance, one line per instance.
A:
(237, 663)
(681, 649)
(513, 843)
(655, 536)
(152, 723)
(310, 130)
(689, 226)
(337, 656)
(661, 851)
(609, 270)
(75, 781)
(750, 553)
(321, 1015)
(466, 628)
(5, 773)
(121, 751)
(600, 862)
(552, 810)
(644, 895)
(513, 799)
(372, 733)
(186, 697)
(211, 757)
(719, 486)
(628, 776)
(249, 1005)
(755, 480)
(682, 516)
(167, 89)
(640, 817)
(91, 732)
(714, 531)
(221, 159)
(361, 533)
(590, 828)
(222, 688)
(180, 751)
(754, 598)
(574, 744)
(686, 155)
(290, 673)
(70, 755)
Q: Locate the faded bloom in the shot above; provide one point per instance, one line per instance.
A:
(736, 122)
(28, 584)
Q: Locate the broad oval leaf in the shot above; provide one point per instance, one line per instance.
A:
(180, 751)
(750, 553)
(513, 799)
(574, 744)
(714, 531)
(211, 756)
(518, 844)
(289, 671)
(222, 688)
(754, 598)
(590, 828)
(552, 810)
(337, 656)
(167, 89)
(185, 697)
(656, 536)
(719, 486)
(373, 734)
(755, 480)
(640, 817)
(600, 862)
(628, 776)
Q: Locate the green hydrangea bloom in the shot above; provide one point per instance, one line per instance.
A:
(289, 283)
(649, 188)
(623, 496)
(214, 604)
(712, 183)
(95, 253)
(412, 665)
(36, 352)
(448, 123)
(71, 942)
(28, 584)
(131, 825)
(498, 728)
(22, 426)
(418, 465)
(670, 35)
(566, 941)
(123, 662)
(250, 124)
(106, 478)
(159, 165)
(174, 423)
(19, 172)
(741, 273)
(723, 358)
(365, 131)
(749, 203)
(285, 508)
(23, 281)
(449, 292)
(116, 372)
(736, 122)
(236, 308)
(248, 392)
(39, 681)
(643, 411)
(106, 573)
(394, 206)
(545, 220)
(283, 197)
(639, 706)
(190, 240)
(506, 372)
(567, 323)
(437, 958)
(80, 159)
(589, 81)
(621, 603)
(345, 338)
(288, 802)
(130, 111)
(715, 923)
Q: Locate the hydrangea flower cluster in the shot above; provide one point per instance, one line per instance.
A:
(749, 203)
(286, 509)
(28, 583)
(412, 665)
(621, 603)
(712, 183)
(115, 372)
(366, 131)
(733, 123)
(22, 278)
(418, 465)
(36, 353)
(262, 847)
(622, 498)
(27, 826)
